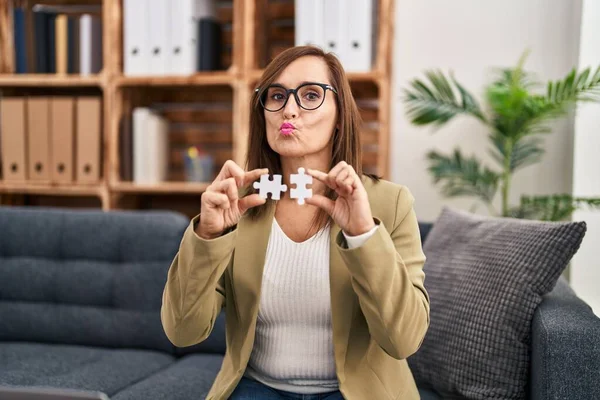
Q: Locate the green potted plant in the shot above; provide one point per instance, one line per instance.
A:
(517, 117)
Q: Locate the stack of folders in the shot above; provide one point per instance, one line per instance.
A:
(165, 37)
(345, 28)
(150, 147)
(48, 41)
(51, 139)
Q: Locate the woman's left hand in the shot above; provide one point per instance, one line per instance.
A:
(351, 210)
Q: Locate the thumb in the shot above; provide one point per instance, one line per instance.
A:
(250, 201)
(322, 202)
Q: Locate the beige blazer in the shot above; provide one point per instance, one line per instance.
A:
(380, 308)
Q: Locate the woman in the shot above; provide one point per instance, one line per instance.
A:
(323, 300)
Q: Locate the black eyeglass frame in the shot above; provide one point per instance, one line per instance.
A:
(324, 86)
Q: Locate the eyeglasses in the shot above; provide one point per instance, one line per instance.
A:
(309, 96)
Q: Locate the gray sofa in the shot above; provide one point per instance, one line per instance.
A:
(80, 297)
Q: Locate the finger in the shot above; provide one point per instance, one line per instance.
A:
(349, 184)
(322, 202)
(215, 199)
(338, 167)
(250, 201)
(254, 175)
(341, 177)
(231, 170)
(322, 177)
(228, 187)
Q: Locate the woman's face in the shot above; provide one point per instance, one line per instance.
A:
(294, 131)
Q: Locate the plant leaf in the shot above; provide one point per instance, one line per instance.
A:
(518, 112)
(463, 176)
(438, 99)
(556, 207)
(525, 152)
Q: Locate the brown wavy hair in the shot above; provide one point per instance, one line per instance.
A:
(346, 139)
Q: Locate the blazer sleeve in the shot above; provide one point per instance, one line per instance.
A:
(387, 276)
(194, 293)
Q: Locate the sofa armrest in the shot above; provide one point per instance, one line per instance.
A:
(565, 358)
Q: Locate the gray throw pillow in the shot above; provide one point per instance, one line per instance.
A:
(485, 277)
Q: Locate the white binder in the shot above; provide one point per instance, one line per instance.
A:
(359, 43)
(183, 34)
(334, 29)
(150, 146)
(309, 23)
(158, 36)
(90, 45)
(136, 44)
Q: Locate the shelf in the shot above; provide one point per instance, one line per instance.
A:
(49, 80)
(161, 188)
(203, 78)
(50, 189)
(371, 76)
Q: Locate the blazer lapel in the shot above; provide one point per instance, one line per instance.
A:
(343, 302)
(249, 262)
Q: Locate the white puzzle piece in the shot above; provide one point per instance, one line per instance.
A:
(270, 186)
(301, 192)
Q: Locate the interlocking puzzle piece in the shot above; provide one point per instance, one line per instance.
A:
(270, 186)
(301, 192)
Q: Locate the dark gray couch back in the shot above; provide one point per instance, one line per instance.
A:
(85, 277)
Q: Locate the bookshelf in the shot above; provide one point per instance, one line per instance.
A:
(254, 31)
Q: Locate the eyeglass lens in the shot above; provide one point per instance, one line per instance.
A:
(310, 96)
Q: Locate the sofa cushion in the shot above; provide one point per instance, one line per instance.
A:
(77, 367)
(428, 395)
(191, 377)
(86, 276)
(485, 278)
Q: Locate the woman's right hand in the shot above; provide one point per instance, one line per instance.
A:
(220, 206)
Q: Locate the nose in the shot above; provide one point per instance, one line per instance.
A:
(291, 109)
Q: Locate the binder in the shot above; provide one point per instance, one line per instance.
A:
(359, 40)
(41, 42)
(309, 24)
(51, 41)
(88, 125)
(209, 44)
(38, 138)
(158, 147)
(126, 148)
(136, 48)
(73, 36)
(90, 45)
(158, 37)
(334, 29)
(150, 146)
(13, 138)
(62, 137)
(140, 145)
(20, 38)
(183, 36)
(61, 44)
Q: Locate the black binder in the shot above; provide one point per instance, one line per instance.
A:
(209, 44)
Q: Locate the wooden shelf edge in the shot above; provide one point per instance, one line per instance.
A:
(199, 79)
(51, 189)
(49, 80)
(160, 188)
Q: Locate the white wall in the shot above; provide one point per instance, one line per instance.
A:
(470, 37)
(585, 268)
